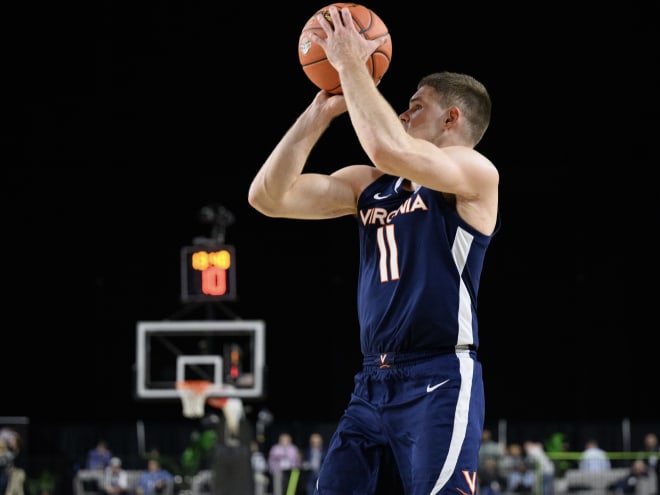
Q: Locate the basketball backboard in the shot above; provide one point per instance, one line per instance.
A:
(231, 354)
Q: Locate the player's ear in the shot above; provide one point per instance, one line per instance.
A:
(452, 116)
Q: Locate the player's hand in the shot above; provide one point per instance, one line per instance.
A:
(329, 104)
(343, 44)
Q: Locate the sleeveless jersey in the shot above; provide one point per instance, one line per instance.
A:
(420, 267)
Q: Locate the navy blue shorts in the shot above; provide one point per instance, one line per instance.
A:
(427, 411)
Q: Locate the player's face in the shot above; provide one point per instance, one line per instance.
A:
(423, 118)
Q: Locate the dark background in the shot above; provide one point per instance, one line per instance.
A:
(123, 120)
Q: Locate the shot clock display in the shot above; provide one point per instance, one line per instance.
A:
(208, 273)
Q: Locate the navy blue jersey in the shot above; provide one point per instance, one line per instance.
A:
(420, 266)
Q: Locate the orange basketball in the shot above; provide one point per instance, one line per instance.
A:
(316, 65)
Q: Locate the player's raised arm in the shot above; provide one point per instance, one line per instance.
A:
(281, 189)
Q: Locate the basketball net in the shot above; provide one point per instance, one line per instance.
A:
(193, 394)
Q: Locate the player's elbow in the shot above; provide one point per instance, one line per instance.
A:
(259, 202)
(258, 198)
(265, 203)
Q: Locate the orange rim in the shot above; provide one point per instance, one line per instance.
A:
(197, 386)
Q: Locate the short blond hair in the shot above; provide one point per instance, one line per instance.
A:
(465, 92)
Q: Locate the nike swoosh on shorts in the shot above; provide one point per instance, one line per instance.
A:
(430, 388)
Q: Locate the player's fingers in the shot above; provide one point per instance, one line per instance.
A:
(381, 41)
(324, 22)
(347, 17)
(317, 39)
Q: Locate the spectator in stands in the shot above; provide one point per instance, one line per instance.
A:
(166, 462)
(6, 462)
(522, 479)
(594, 458)
(259, 468)
(12, 440)
(312, 457)
(12, 477)
(282, 457)
(115, 478)
(628, 484)
(284, 454)
(652, 460)
(155, 480)
(99, 456)
(513, 455)
(489, 447)
(536, 456)
(491, 482)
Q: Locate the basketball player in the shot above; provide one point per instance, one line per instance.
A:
(426, 212)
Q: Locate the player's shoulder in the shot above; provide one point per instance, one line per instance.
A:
(359, 176)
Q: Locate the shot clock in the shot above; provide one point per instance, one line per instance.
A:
(208, 273)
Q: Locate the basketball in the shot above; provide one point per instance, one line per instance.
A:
(312, 57)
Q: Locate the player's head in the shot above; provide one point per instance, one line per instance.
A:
(467, 94)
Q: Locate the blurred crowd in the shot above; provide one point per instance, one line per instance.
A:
(527, 469)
